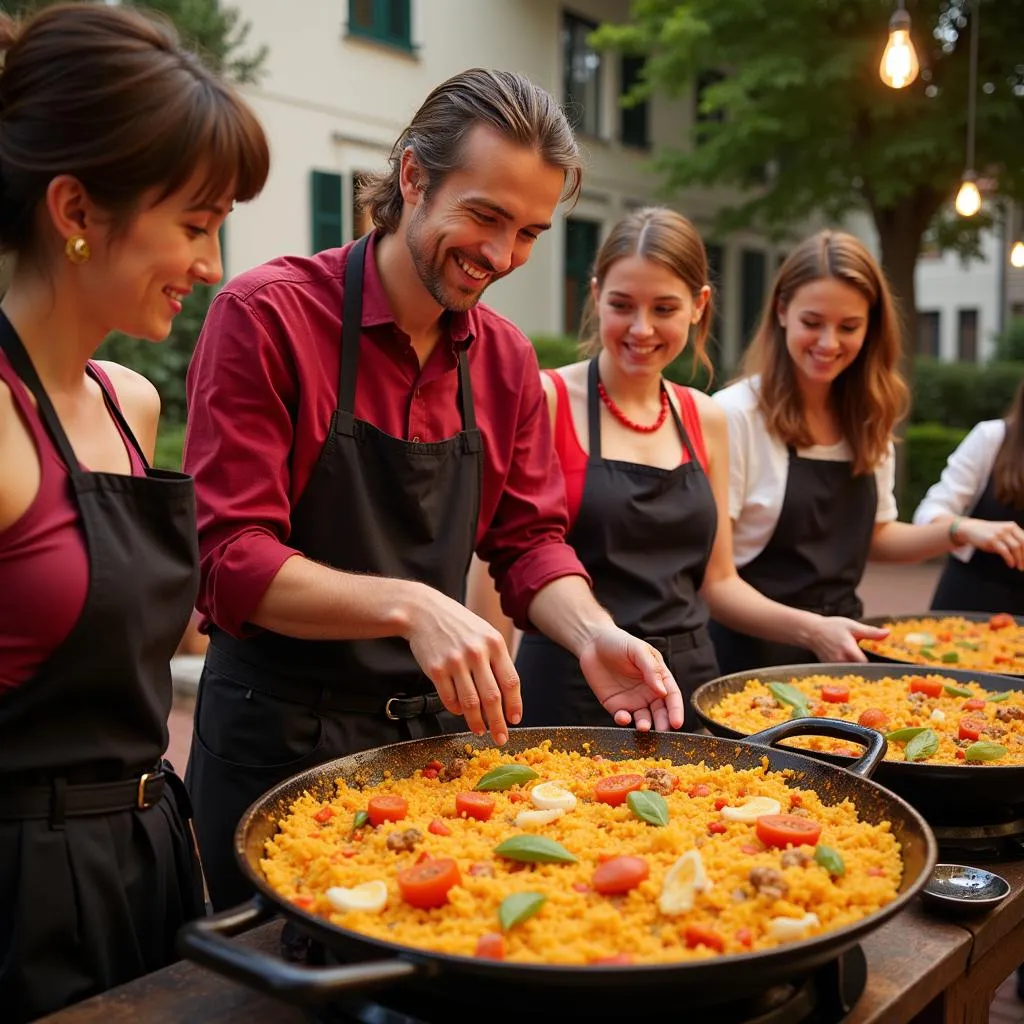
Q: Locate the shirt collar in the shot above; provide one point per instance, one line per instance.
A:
(461, 327)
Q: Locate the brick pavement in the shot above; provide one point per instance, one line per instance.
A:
(886, 589)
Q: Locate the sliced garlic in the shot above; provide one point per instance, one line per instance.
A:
(550, 795)
(370, 897)
(938, 715)
(919, 639)
(526, 819)
(789, 929)
(753, 809)
(683, 881)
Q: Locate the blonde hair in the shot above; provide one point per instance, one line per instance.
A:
(870, 395)
(662, 236)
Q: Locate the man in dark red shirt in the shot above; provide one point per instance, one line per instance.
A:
(358, 426)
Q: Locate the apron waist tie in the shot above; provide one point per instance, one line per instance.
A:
(322, 696)
(679, 642)
(58, 800)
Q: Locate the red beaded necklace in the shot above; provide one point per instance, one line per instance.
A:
(625, 420)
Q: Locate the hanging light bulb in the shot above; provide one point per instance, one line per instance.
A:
(1017, 255)
(968, 199)
(899, 65)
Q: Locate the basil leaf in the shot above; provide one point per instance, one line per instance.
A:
(902, 735)
(998, 698)
(360, 820)
(967, 645)
(648, 806)
(534, 850)
(800, 711)
(518, 907)
(921, 746)
(982, 751)
(950, 658)
(505, 776)
(789, 695)
(957, 691)
(831, 860)
(927, 652)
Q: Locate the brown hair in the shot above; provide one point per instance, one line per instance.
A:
(663, 236)
(870, 395)
(512, 105)
(107, 95)
(1008, 470)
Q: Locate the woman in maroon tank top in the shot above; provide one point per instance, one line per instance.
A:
(120, 157)
(647, 469)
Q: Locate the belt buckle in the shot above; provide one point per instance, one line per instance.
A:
(140, 797)
(387, 709)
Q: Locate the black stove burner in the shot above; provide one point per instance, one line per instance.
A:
(998, 833)
(825, 996)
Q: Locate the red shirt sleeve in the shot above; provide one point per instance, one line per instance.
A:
(525, 539)
(237, 446)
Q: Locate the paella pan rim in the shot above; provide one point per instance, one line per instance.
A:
(808, 953)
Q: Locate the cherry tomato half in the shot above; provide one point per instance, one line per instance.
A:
(475, 805)
(490, 946)
(835, 693)
(698, 935)
(614, 789)
(1000, 621)
(929, 687)
(618, 960)
(620, 874)
(425, 885)
(438, 828)
(386, 808)
(974, 704)
(787, 829)
(873, 718)
(971, 728)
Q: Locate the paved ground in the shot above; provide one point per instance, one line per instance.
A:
(886, 589)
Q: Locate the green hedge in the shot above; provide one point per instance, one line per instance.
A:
(962, 394)
(169, 442)
(926, 448)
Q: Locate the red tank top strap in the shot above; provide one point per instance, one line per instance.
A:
(29, 415)
(691, 422)
(138, 461)
(571, 456)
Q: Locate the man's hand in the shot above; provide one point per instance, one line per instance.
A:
(835, 638)
(631, 680)
(467, 661)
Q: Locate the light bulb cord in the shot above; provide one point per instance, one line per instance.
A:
(972, 85)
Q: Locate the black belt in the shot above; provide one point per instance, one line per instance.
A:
(679, 642)
(59, 800)
(320, 695)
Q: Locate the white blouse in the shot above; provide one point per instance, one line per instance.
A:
(964, 478)
(759, 468)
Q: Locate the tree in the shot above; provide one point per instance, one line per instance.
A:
(796, 117)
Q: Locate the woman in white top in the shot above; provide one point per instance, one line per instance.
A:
(983, 478)
(810, 447)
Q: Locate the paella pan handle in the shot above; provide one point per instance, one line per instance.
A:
(864, 766)
(206, 942)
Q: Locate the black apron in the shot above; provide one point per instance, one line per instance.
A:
(645, 535)
(271, 705)
(814, 560)
(97, 866)
(985, 583)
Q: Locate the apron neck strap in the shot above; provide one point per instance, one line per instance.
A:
(351, 332)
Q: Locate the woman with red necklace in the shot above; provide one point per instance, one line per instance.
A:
(647, 478)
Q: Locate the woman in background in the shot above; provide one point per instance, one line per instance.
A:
(983, 479)
(810, 447)
(120, 157)
(646, 470)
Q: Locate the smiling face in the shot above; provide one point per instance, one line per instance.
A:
(481, 221)
(645, 313)
(825, 323)
(139, 276)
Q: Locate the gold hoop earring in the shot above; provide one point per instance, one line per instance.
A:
(77, 250)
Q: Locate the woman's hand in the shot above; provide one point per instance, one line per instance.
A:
(1004, 539)
(835, 638)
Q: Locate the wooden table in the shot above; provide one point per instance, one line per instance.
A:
(921, 968)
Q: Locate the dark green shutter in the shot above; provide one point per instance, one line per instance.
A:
(325, 206)
(387, 21)
(753, 279)
(581, 240)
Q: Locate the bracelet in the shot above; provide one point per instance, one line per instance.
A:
(953, 527)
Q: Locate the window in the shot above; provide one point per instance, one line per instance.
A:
(929, 324)
(361, 222)
(967, 336)
(633, 119)
(753, 277)
(704, 81)
(714, 346)
(386, 21)
(581, 239)
(582, 70)
(325, 207)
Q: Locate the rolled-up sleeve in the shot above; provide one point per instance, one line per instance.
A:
(241, 389)
(524, 543)
(966, 472)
